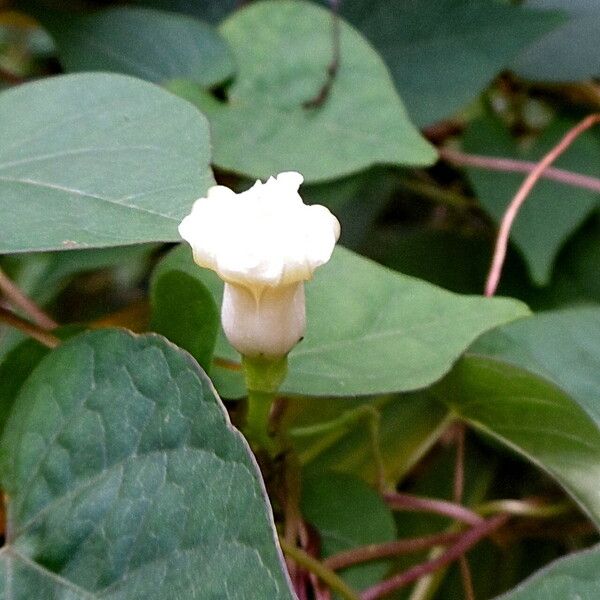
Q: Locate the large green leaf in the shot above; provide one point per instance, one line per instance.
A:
(533, 417)
(150, 44)
(96, 160)
(370, 330)
(347, 513)
(563, 346)
(282, 50)
(443, 52)
(569, 53)
(574, 577)
(126, 480)
(552, 211)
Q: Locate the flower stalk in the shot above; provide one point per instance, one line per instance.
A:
(263, 379)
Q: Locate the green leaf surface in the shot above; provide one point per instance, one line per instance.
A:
(184, 311)
(96, 160)
(121, 467)
(562, 346)
(282, 50)
(150, 44)
(574, 577)
(17, 365)
(347, 513)
(408, 426)
(442, 53)
(208, 10)
(553, 211)
(534, 418)
(370, 330)
(570, 52)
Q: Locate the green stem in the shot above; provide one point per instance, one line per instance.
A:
(263, 378)
(311, 564)
(257, 420)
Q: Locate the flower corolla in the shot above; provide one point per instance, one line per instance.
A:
(264, 243)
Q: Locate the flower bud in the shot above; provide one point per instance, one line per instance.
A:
(264, 243)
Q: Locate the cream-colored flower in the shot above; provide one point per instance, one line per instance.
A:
(264, 243)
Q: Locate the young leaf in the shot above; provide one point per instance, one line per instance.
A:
(126, 480)
(370, 330)
(283, 49)
(184, 311)
(150, 44)
(96, 160)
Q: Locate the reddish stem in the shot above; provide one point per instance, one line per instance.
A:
(509, 165)
(18, 299)
(409, 502)
(520, 197)
(395, 548)
(41, 335)
(463, 545)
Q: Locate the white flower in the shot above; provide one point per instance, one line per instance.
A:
(264, 243)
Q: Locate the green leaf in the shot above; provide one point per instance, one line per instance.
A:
(443, 52)
(562, 346)
(153, 45)
(370, 330)
(569, 53)
(184, 311)
(17, 365)
(574, 577)
(282, 50)
(347, 513)
(420, 417)
(126, 480)
(96, 160)
(552, 211)
(534, 418)
(208, 10)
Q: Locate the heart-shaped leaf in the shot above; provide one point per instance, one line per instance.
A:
(96, 160)
(282, 50)
(126, 480)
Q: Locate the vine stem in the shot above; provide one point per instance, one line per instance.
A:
(325, 574)
(37, 333)
(458, 491)
(363, 554)
(17, 298)
(402, 501)
(463, 545)
(521, 195)
(509, 165)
